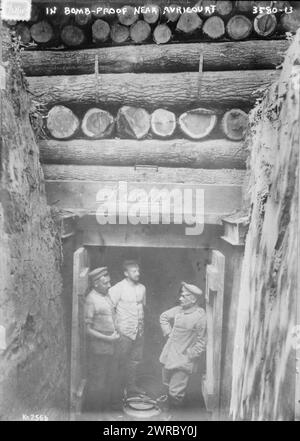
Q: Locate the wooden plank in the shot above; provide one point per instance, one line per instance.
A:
(214, 309)
(151, 236)
(81, 196)
(219, 153)
(143, 174)
(80, 286)
(172, 90)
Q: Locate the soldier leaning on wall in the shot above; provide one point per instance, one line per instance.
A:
(101, 337)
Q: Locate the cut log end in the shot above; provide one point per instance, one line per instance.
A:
(140, 31)
(100, 31)
(72, 36)
(127, 16)
(42, 32)
(265, 24)
(172, 13)
(151, 14)
(59, 20)
(23, 32)
(162, 34)
(82, 19)
(189, 23)
(291, 22)
(244, 6)
(239, 27)
(214, 27)
(263, 4)
(119, 33)
(97, 124)
(282, 5)
(197, 123)
(234, 124)
(133, 122)
(62, 123)
(224, 8)
(206, 6)
(163, 123)
(103, 10)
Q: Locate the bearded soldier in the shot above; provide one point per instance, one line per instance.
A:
(129, 299)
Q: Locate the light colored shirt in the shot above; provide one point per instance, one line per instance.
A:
(129, 301)
(186, 338)
(99, 314)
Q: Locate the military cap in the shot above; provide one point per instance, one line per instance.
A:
(193, 289)
(98, 272)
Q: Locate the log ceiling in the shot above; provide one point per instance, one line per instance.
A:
(178, 77)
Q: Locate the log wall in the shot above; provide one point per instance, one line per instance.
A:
(60, 21)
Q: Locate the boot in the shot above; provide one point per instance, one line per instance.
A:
(174, 403)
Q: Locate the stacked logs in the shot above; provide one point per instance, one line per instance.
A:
(137, 123)
(236, 20)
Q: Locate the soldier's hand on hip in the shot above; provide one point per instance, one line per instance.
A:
(115, 336)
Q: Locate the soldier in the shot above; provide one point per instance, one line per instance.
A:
(101, 338)
(129, 299)
(185, 327)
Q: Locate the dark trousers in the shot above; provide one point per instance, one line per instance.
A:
(100, 377)
(177, 382)
(129, 354)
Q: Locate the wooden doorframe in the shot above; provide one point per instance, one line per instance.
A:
(78, 340)
(214, 296)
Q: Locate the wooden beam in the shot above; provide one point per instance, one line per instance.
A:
(157, 236)
(80, 196)
(161, 58)
(143, 174)
(215, 154)
(173, 90)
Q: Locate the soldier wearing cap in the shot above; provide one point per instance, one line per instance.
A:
(185, 327)
(101, 338)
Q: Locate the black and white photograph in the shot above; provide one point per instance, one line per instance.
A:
(149, 223)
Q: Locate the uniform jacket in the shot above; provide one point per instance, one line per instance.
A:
(186, 338)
